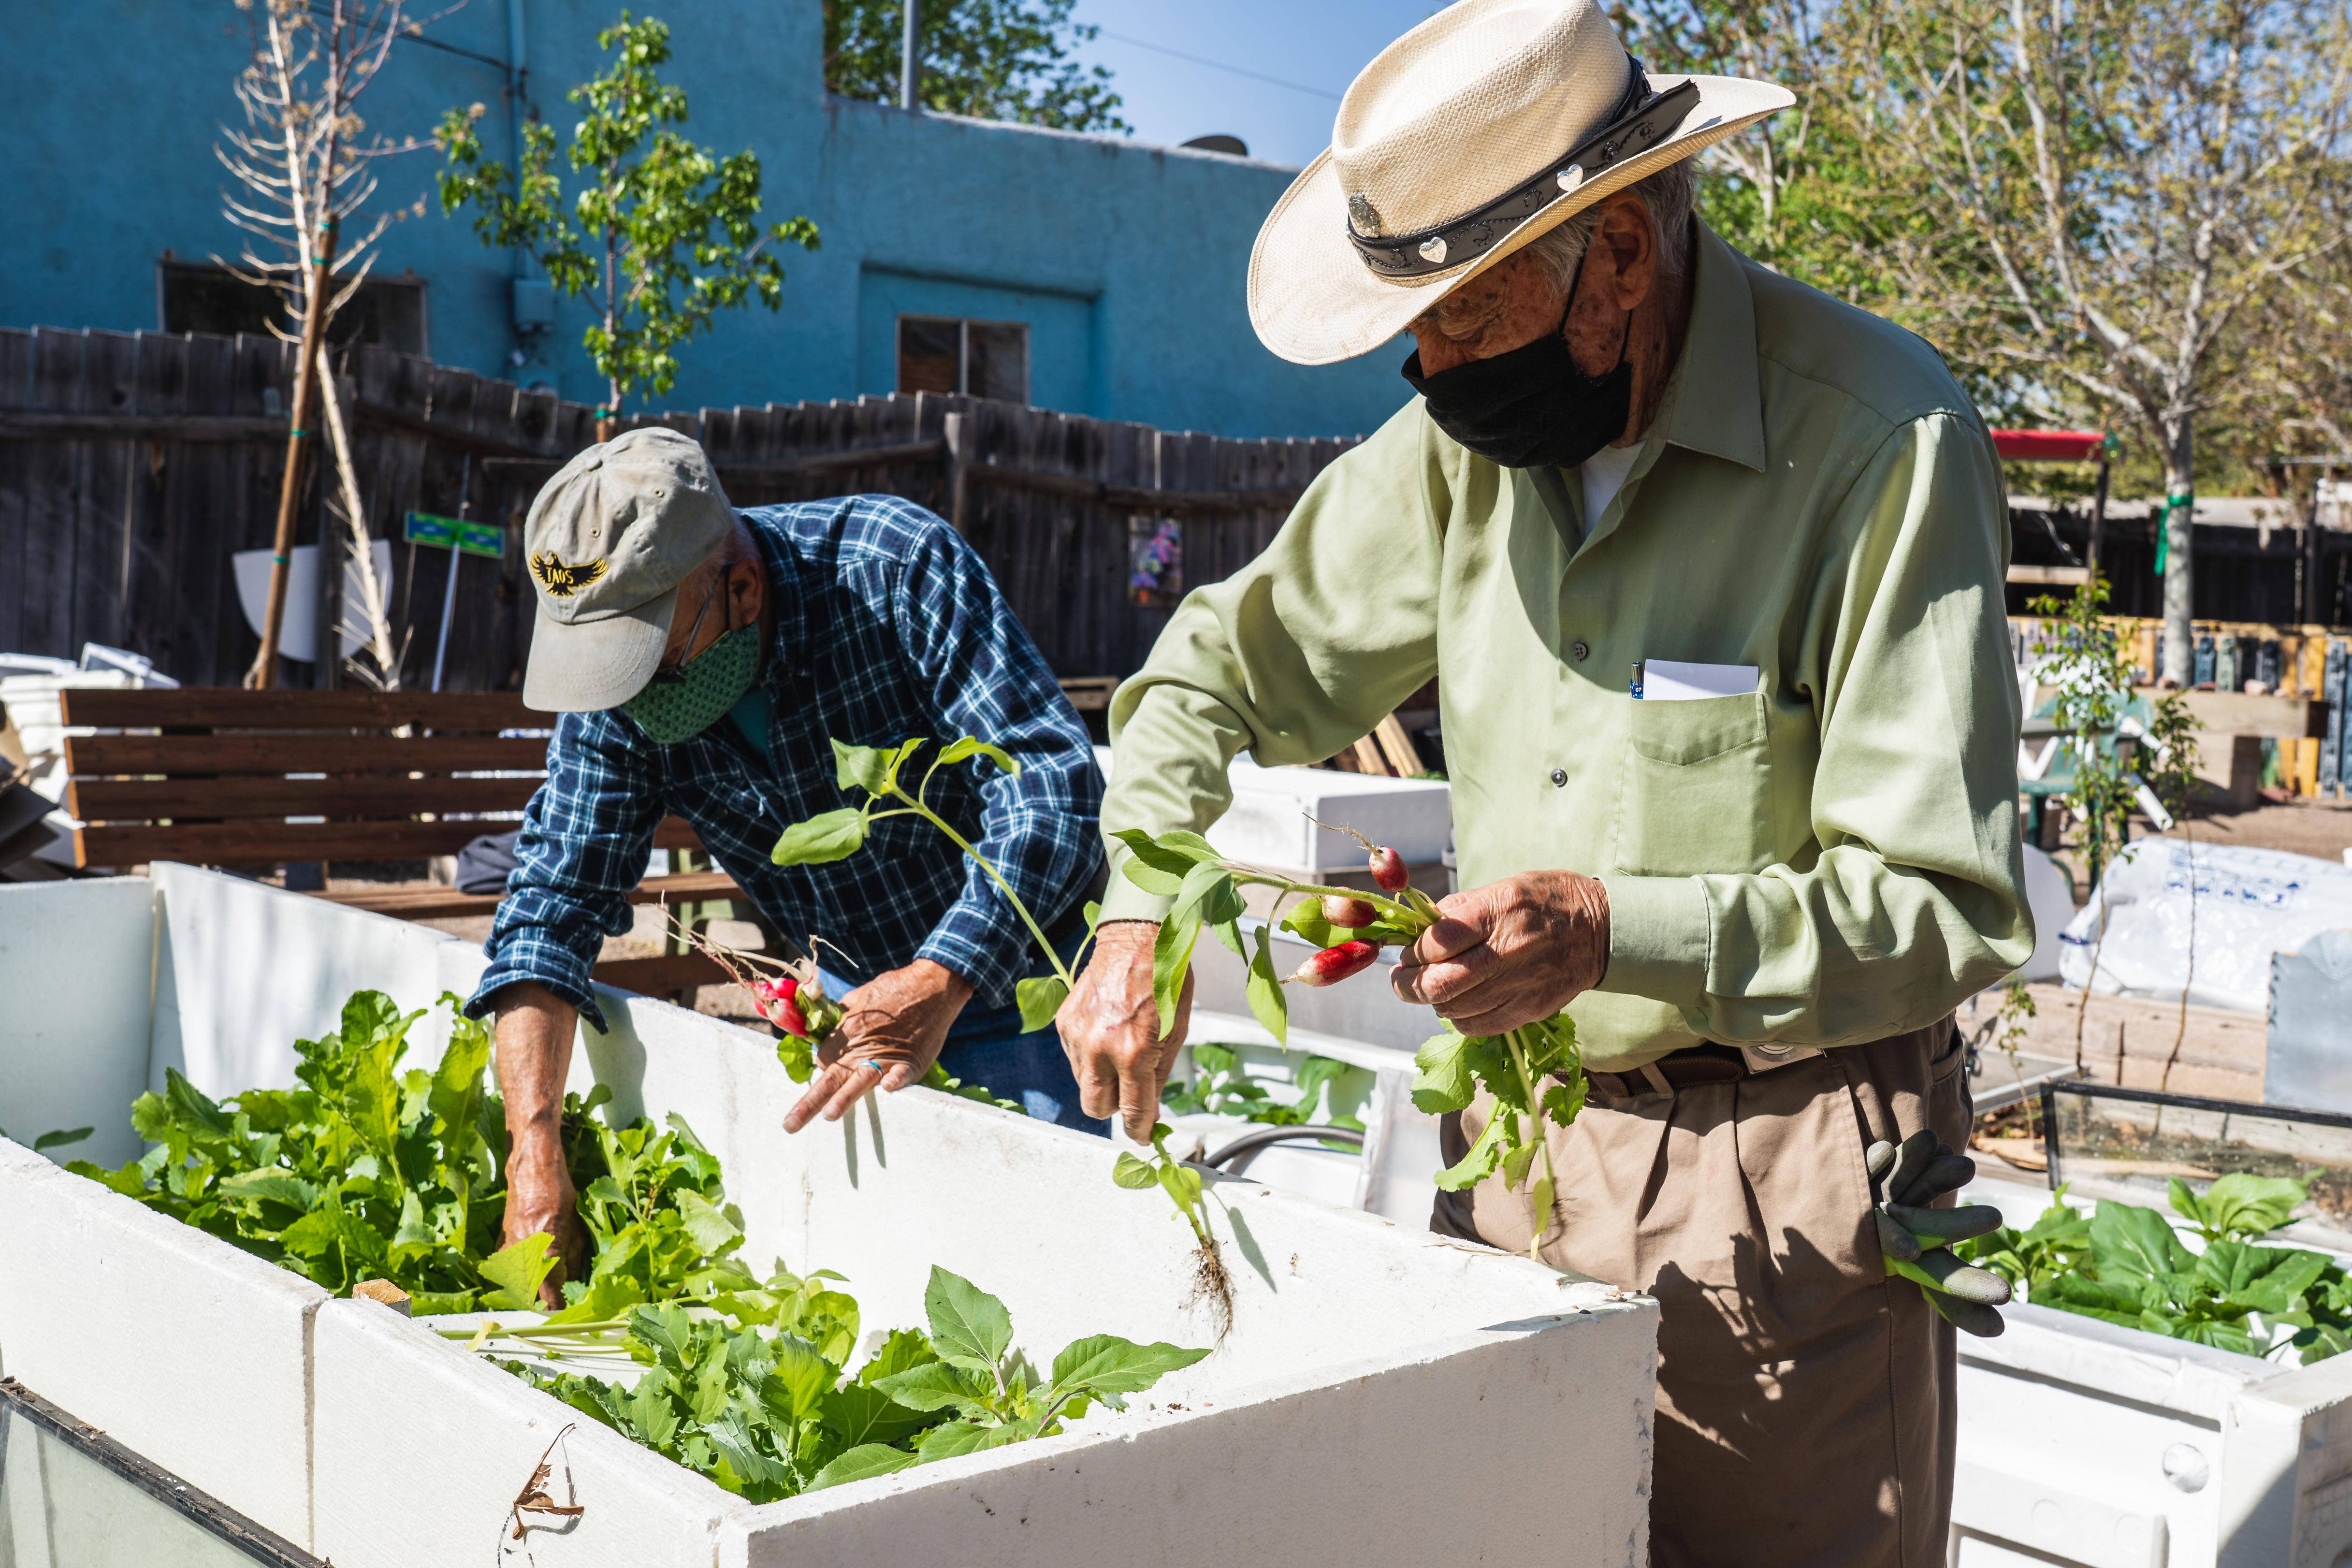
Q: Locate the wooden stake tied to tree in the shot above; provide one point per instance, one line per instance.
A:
(667, 232)
(304, 173)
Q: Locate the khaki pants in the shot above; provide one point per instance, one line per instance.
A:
(1805, 1400)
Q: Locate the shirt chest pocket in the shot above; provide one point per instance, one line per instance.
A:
(1698, 788)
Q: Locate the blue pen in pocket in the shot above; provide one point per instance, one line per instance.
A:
(1634, 686)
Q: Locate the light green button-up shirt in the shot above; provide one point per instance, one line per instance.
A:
(1830, 859)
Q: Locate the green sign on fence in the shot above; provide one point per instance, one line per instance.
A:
(455, 532)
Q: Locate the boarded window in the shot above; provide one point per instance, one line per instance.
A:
(948, 353)
(387, 312)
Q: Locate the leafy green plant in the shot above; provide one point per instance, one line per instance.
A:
(668, 232)
(765, 1410)
(1222, 1086)
(1535, 1074)
(2124, 1264)
(2239, 1206)
(367, 1172)
(363, 1172)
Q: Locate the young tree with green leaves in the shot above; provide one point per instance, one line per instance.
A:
(990, 59)
(667, 232)
(2104, 194)
(2089, 662)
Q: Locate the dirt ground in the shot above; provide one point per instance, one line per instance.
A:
(2304, 827)
(2321, 828)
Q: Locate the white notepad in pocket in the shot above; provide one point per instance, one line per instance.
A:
(1671, 680)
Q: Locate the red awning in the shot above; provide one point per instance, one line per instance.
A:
(2049, 446)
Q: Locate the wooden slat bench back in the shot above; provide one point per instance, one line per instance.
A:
(213, 776)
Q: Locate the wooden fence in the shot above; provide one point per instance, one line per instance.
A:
(133, 466)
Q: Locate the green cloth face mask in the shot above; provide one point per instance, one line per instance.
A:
(680, 704)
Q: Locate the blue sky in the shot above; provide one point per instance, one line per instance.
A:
(1317, 44)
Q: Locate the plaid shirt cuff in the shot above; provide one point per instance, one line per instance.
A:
(987, 945)
(542, 962)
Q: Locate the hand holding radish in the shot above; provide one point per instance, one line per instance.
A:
(891, 1030)
(1504, 955)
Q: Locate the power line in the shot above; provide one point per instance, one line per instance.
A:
(1217, 65)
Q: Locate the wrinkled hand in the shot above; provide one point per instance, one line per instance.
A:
(1916, 1238)
(898, 1022)
(540, 1197)
(1110, 1028)
(1508, 953)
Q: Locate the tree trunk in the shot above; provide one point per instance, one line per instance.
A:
(2178, 548)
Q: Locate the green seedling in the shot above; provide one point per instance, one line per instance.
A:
(1213, 1287)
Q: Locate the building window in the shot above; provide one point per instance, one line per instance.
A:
(980, 359)
(200, 298)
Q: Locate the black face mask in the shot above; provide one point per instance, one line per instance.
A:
(1531, 407)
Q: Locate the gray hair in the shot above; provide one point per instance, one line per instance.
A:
(1669, 194)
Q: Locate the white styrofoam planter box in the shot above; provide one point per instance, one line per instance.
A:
(181, 1348)
(1268, 823)
(2087, 1443)
(1360, 1410)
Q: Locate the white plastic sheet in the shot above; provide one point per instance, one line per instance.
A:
(2247, 904)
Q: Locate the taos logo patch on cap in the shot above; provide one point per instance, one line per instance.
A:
(561, 581)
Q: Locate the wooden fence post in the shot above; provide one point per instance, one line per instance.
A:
(958, 430)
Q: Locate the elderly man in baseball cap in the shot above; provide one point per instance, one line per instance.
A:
(702, 659)
(1709, 568)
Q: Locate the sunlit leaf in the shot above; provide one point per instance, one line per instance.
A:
(863, 1463)
(1039, 997)
(1268, 1002)
(1106, 1364)
(518, 1269)
(970, 747)
(822, 839)
(969, 1326)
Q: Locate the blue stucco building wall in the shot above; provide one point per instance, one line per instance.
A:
(1128, 261)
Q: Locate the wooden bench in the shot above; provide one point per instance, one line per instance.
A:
(227, 777)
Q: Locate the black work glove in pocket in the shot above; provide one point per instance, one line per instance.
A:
(1916, 1238)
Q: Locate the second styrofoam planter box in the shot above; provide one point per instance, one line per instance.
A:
(1268, 823)
(2087, 1443)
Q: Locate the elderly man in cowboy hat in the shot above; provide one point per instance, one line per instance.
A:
(1709, 566)
(701, 658)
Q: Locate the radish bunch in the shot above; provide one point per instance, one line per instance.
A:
(1531, 1076)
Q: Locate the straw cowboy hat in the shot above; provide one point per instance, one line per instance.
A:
(1481, 128)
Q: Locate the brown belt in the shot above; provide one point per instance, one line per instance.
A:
(1686, 1069)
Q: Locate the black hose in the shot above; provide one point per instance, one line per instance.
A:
(1234, 1157)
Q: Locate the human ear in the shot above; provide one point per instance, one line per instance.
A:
(1632, 242)
(747, 592)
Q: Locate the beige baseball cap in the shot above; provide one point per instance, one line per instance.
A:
(607, 542)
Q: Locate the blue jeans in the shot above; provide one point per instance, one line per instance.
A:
(985, 1046)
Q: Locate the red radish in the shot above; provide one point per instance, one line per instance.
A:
(1334, 964)
(1388, 870)
(785, 1014)
(1353, 913)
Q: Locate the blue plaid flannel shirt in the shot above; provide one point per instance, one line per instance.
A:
(888, 627)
